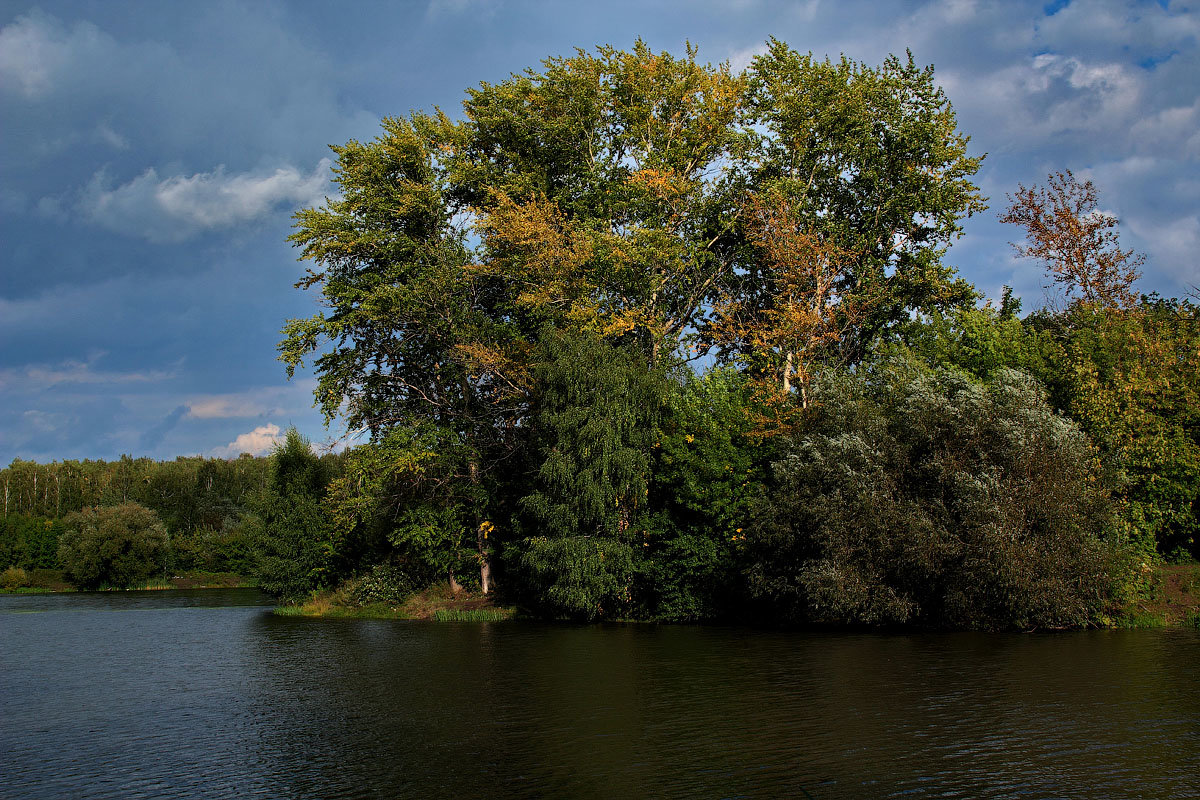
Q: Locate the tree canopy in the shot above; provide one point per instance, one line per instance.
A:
(618, 195)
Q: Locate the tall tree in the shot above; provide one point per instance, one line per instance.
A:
(872, 164)
(605, 195)
(1078, 243)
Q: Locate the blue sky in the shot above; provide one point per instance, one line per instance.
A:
(151, 155)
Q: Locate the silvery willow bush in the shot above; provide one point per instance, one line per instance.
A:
(925, 496)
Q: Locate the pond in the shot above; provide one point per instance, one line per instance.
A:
(207, 694)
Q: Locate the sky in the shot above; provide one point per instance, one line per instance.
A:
(152, 155)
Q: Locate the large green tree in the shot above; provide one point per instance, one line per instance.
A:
(606, 195)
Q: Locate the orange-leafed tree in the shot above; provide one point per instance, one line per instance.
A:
(1077, 242)
(797, 317)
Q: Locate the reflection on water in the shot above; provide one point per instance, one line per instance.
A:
(208, 695)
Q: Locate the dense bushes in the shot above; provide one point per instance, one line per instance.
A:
(925, 496)
(117, 546)
(292, 531)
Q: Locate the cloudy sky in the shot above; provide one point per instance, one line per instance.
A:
(151, 154)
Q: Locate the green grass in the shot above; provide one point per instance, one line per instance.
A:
(1137, 618)
(472, 615)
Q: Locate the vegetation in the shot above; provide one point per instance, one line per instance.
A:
(640, 337)
(117, 546)
(921, 495)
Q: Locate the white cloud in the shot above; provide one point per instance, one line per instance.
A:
(294, 397)
(257, 442)
(1171, 130)
(35, 49)
(39, 377)
(224, 407)
(175, 208)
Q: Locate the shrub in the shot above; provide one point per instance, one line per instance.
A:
(14, 578)
(116, 546)
(924, 496)
(578, 577)
(385, 583)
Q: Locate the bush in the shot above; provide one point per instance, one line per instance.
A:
(924, 496)
(14, 578)
(385, 583)
(117, 546)
(225, 549)
(578, 577)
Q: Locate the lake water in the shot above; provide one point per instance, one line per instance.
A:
(206, 694)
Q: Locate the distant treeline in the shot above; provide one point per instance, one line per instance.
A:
(206, 506)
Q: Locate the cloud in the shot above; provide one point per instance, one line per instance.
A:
(153, 436)
(1171, 130)
(257, 442)
(37, 377)
(290, 398)
(178, 207)
(224, 407)
(36, 49)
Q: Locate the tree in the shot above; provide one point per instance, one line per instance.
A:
(605, 195)
(1078, 243)
(797, 322)
(117, 546)
(872, 166)
(596, 411)
(294, 539)
(1129, 378)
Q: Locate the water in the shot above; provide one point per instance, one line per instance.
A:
(206, 694)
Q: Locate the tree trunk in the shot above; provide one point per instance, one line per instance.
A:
(455, 586)
(787, 373)
(485, 564)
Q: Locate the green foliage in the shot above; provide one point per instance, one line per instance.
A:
(29, 542)
(980, 341)
(229, 548)
(596, 409)
(705, 474)
(187, 493)
(879, 168)
(385, 583)
(294, 536)
(1131, 378)
(923, 496)
(118, 546)
(407, 495)
(578, 577)
(596, 412)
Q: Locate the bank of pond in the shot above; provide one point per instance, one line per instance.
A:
(1170, 598)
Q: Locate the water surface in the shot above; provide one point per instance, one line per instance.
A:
(206, 694)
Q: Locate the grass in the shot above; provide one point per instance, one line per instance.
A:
(472, 615)
(436, 603)
(42, 581)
